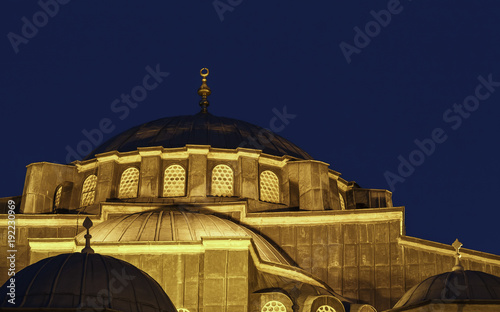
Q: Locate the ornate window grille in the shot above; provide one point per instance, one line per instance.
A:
(222, 181)
(174, 181)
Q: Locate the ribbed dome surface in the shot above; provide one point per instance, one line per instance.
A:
(81, 280)
(164, 225)
(456, 285)
(200, 129)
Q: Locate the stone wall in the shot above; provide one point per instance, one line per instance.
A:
(367, 261)
(359, 261)
(22, 247)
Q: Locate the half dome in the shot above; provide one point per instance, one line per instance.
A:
(83, 280)
(200, 129)
(166, 225)
(455, 285)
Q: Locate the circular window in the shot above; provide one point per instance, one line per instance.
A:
(274, 306)
(325, 308)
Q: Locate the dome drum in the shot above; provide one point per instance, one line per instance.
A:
(270, 181)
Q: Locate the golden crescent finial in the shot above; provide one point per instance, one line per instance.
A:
(204, 90)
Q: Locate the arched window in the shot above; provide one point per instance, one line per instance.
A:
(182, 310)
(129, 183)
(342, 201)
(274, 306)
(88, 191)
(325, 308)
(269, 187)
(57, 197)
(174, 181)
(222, 181)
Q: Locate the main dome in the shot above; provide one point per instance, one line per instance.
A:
(200, 129)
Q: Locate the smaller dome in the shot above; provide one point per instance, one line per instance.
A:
(84, 280)
(171, 225)
(455, 285)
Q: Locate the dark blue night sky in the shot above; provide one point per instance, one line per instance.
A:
(401, 95)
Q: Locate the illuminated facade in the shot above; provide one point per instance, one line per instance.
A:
(226, 216)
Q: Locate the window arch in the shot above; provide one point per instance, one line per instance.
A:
(182, 310)
(273, 306)
(269, 187)
(325, 308)
(129, 183)
(222, 181)
(57, 197)
(174, 181)
(342, 201)
(88, 191)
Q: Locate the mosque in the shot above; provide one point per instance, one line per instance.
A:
(183, 214)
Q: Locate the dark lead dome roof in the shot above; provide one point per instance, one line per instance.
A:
(200, 129)
(455, 285)
(83, 280)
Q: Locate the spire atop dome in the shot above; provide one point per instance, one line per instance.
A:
(458, 265)
(87, 223)
(204, 90)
